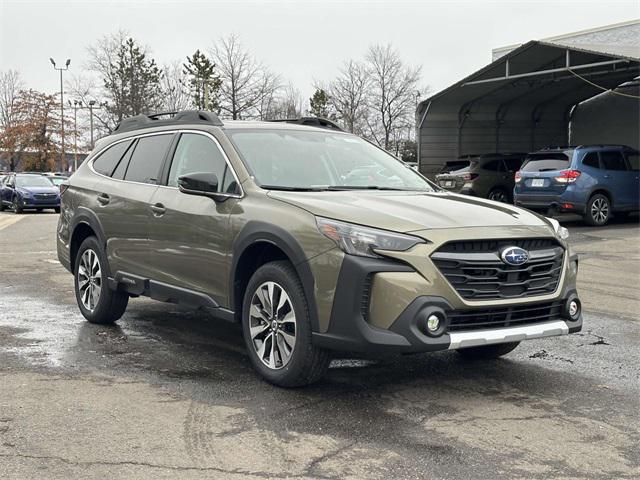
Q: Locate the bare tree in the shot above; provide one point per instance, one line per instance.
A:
(10, 86)
(287, 103)
(392, 92)
(246, 83)
(173, 85)
(348, 95)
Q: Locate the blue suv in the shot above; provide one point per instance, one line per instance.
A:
(594, 181)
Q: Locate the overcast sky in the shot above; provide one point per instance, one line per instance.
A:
(303, 41)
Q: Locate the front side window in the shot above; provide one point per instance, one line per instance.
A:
(613, 161)
(321, 160)
(147, 158)
(634, 161)
(197, 153)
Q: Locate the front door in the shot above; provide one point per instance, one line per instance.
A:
(617, 178)
(189, 235)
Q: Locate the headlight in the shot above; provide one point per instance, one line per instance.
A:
(358, 240)
(562, 232)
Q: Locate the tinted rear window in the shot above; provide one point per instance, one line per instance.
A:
(546, 162)
(145, 163)
(108, 159)
(634, 161)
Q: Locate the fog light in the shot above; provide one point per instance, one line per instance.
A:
(574, 308)
(433, 323)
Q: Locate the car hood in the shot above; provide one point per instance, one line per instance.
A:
(51, 189)
(410, 211)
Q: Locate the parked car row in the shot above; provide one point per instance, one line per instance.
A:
(594, 181)
(30, 191)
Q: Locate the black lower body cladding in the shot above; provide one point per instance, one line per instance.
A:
(350, 331)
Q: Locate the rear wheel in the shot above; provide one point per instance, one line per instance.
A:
(499, 195)
(277, 328)
(488, 351)
(598, 210)
(57, 209)
(97, 302)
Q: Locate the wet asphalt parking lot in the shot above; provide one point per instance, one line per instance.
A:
(169, 393)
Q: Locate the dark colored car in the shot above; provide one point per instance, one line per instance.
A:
(595, 181)
(22, 191)
(488, 176)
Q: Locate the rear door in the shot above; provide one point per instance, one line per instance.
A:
(617, 178)
(633, 159)
(189, 234)
(123, 197)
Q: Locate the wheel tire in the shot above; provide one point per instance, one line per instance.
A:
(499, 195)
(488, 351)
(39, 210)
(17, 205)
(2, 207)
(57, 209)
(598, 210)
(110, 304)
(306, 363)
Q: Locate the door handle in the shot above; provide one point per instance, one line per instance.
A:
(103, 199)
(158, 210)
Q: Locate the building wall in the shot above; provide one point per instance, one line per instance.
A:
(608, 118)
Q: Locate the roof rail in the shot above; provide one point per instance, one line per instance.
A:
(184, 117)
(312, 122)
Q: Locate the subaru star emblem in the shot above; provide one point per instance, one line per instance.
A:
(514, 256)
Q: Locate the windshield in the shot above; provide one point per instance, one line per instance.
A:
(32, 181)
(310, 160)
(57, 180)
(546, 162)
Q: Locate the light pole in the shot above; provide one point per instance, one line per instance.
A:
(92, 104)
(76, 104)
(60, 69)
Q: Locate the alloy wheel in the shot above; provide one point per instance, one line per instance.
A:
(272, 325)
(89, 279)
(600, 210)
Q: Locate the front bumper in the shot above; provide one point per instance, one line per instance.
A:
(381, 306)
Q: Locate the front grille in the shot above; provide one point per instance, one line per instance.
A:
(44, 196)
(489, 318)
(474, 268)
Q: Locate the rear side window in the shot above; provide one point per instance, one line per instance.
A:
(493, 166)
(634, 161)
(591, 160)
(546, 162)
(147, 158)
(108, 159)
(513, 164)
(613, 161)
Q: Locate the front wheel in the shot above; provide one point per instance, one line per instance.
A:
(17, 205)
(276, 327)
(488, 351)
(97, 302)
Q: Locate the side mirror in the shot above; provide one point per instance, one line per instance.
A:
(199, 183)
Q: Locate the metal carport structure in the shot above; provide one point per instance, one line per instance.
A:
(518, 103)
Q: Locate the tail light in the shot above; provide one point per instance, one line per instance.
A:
(63, 187)
(567, 176)
(518, 176)
(467, 177)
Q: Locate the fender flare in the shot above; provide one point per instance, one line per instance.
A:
(256, 231)
(87, 217)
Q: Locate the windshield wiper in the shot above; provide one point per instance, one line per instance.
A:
(363, 187)
(294, 189)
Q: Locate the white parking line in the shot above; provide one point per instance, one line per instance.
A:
(8, 221)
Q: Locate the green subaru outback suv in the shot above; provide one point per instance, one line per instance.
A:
(315, 240)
